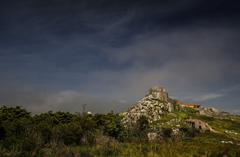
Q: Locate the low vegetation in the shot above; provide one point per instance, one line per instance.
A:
(63, 134)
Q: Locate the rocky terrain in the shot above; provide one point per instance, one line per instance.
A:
(162, 111)
(153, 106)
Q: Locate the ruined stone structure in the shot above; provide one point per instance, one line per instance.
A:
(200, 125)
(187, 105)
(152, 106)
(159, 93)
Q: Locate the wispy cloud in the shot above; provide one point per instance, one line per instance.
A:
(207, 97)
(183, 61)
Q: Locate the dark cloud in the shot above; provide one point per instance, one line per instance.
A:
(57, 55)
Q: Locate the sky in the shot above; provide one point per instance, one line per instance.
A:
(58, 55)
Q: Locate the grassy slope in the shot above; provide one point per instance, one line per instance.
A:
(204, 145)
(201, 146)
(228, 126)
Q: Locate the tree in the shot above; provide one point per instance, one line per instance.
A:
(141, 128)
(14, 123)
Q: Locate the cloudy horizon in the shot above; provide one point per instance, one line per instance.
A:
(59, 55)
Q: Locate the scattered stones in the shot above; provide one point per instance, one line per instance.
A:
(152, 136)
(175, 131)
(230, 132)
(227, 142)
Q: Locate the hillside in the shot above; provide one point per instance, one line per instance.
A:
(163, 112)
(156, 126)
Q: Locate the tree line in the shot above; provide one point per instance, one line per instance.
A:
(19, 129)
(24, 134)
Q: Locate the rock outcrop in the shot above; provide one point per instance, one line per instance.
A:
(200, 125)
(153, 106)
(208, 111)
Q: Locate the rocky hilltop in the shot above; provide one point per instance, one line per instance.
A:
(162, 111)
(155, 104)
